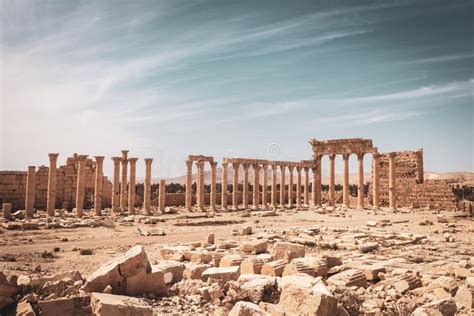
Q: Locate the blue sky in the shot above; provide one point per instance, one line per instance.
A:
(235, 79)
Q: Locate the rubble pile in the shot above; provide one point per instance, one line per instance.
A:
(302, 270)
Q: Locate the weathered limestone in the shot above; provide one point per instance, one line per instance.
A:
(132, 182)
(315, 195)
(391, 179)
(51, 202)
(291, 192)
(360, 186)
(213, 186)
(348, 278)
(375, 180)
(224, 274)
(30, 191)
(265, 187)
(162, 196)
(245, 188)
(235, 186)
(189, 185)
(287, 250)
(123, 187)
(147, 186)
(254, 246)
(332, 177)
(306, 186)
(298, 187)
(7, 210)
(231, 261)
(224, 186)
(116, 185)
(99, 184)
(318, 300)
(274, 268)
(200, 185)
(345, 188)
(274, 189)
(256, 186)
(81, 182)
(317, 188)
(282, 186)
(108, 304)
(253, 265)
(312, 266)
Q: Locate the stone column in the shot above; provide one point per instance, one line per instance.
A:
(81, 184)
(332, 178)
(123, 188)
(256, 185)
(200, 185)
(306, 186)
(213, 186)
(147, 186)
(116, 185)
(30, 191)
(290, 188)
(282, 186)
(298, 187)
(265, 187)
(245, 190)
(132, 181)
(51, 201)
(7, 210)
(224, 186)
(189, 185)
(360, 189)
(317, 177)
(392, 194)
(98, 185)
(375, 180)
(235, 186)
(314, 196)
(274, 185)
(345, 188)
(162, 197)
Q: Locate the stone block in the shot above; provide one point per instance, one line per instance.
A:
(287, 251)
(247, 309)
(274, 268)
(303, 301)
(446, 307)
(194, 271)
(310, 265)
(79, 305)
(174, 252)
(224, 274)
(172, 270)
(465, 297)
(231, 260)
(117, 305)
(348, 278)
(254, 246)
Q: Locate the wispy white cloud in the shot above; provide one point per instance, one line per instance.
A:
(378, 115)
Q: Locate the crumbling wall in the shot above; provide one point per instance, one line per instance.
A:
(411, 188)
(13, 186)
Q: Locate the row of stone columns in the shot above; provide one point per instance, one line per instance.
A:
(120, 199)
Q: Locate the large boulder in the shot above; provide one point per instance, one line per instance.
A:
(446, 307)
(247, 309)
(116, 272)
(79, 305)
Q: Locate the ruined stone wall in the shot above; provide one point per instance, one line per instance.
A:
(13, 186)
(411, 188)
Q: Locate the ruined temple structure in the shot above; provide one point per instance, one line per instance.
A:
(397, 181)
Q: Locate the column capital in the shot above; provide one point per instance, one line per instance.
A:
(117, 160)
(264, 167)
(306, 169)
(82, 157)
(246, 166)
(256, 166)
(392, 154)
(274, 167)
(148, 161)
(282, 167)
(213, 164)
(345, 156)
(99, 159)
(298, 169)
(200, 164)
(375, 155)
(133, 160)
(332, 156)
(124, 153)
(291, 168)
(53, 156)
(224, 164)
(360, 156)
(318, 157)
(236, 165)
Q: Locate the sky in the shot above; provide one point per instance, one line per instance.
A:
(255, 79)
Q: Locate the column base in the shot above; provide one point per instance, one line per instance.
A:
(360, 208)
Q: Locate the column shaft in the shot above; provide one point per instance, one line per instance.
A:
(290, 188)
(345, 188)
(81, 182)
(200, 186)
(189, 185)
(332, 176)
(274, 185)
(147, 188)
(256, 186)
(264, 187)
(51, 202)
(213, 186)
(98, 185)
(245, 189)
(224, 186)
(131, 189)
(298, 187)
(392, 181)
(282, 186)
(360, 189)
(235, 186)
(314, 197)
(116, 185)
(123, 187)
(318, 199)
(30, 191)
(162, 197)
(375, 180)
(306, 187)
